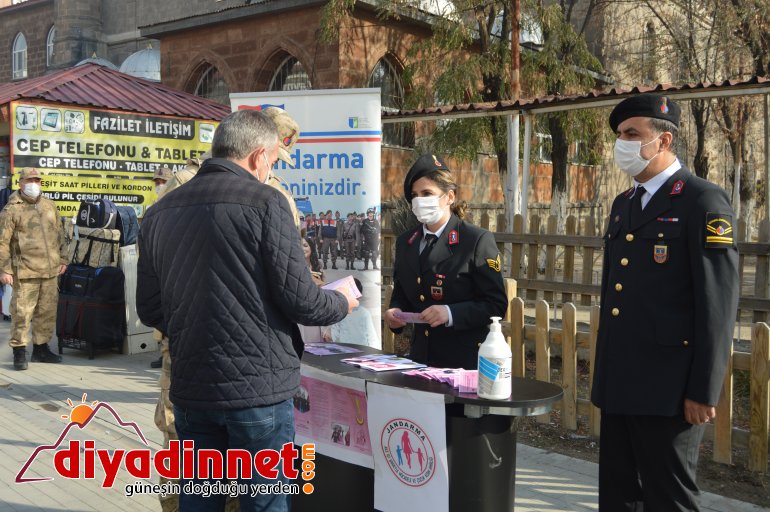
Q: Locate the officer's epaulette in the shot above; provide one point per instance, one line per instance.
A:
(414, 236)
(628, 192)
(677, 188)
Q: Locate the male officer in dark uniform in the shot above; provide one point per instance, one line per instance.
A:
(458, 272)
(669, 295)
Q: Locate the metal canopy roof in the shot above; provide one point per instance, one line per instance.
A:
(594, 99)
(93, 85)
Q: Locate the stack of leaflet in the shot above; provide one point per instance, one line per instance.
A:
(466, 381)
(382, 362)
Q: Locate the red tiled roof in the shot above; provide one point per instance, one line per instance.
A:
(97, 86)
(525, 104)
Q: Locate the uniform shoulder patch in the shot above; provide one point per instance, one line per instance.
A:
(494, 264)
(719, 230)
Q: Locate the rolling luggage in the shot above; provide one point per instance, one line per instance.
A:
(91, 311)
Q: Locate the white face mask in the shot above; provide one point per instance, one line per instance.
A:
(31, 190)
(269, 170)
(427, 209)
(159, 189)
(628, 156)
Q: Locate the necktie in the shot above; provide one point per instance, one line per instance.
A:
(430, 240)
(636, 204)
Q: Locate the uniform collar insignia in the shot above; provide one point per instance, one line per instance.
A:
(628, 192)
(413, 237)
(454, 237)
(677, 188)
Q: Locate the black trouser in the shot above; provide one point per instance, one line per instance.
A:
(648, 463)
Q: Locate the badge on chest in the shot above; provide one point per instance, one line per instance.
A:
(437, 292)
(660, 253)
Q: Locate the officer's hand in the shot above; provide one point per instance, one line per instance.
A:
(6, 279)
(435, 315)
(696, 413)
(391, 321)
(62, 269)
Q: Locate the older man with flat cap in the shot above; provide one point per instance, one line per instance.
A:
(668, 299)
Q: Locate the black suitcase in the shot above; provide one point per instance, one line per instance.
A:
(91, 310)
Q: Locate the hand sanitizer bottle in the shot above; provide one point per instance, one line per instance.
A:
(494, 364)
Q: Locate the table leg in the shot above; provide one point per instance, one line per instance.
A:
(482, 462)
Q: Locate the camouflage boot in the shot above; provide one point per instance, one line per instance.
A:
(42, 354)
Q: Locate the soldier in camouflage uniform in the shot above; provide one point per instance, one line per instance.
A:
(32, 256)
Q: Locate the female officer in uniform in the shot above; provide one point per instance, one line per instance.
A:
(446, 270)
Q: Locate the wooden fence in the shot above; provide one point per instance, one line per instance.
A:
(552, 269)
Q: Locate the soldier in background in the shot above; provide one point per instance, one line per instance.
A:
(370, 233)
(161, 177)
(329, 239)
(32, 256)
(351, 236)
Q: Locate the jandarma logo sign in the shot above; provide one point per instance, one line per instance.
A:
(408, 451)
(78, 459)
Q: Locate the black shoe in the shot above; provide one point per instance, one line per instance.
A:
(20, 358)
(158, 363)
(334, 266)
(324, 265)
(375, 267)
(42, 354)
(6, 318)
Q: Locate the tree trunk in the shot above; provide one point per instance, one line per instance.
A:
(559, 155)
(701, 159)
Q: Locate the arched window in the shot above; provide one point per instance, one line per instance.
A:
(19, 59)
(49, 42)
(649, 58)
(212, 85)
(386, 76)
(290, 76)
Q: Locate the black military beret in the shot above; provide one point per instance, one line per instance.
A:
(645, 105)
(424, 165)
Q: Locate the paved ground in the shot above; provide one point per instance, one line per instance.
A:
(33, 401)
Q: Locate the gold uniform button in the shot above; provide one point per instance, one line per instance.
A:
(685, 343)
(660, 235)
(422, 298)
(418, 280)
(427, 333)
(629, 237)
(624, 262)
(615, 311)
(618, 287)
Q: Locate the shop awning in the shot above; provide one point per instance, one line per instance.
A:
(92, 85)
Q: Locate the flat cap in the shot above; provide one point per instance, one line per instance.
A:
(163, 173)
(288, 132)
(424, 165)
(29, 172)
(655, 106)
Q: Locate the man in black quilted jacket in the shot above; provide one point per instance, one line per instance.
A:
(222, 274)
